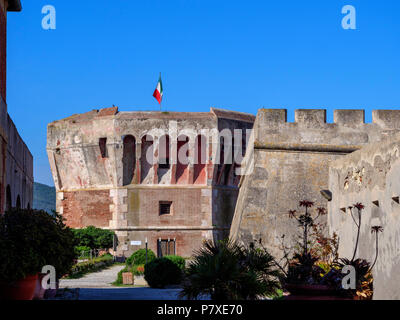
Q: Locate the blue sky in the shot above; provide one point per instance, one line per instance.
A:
(240, 55)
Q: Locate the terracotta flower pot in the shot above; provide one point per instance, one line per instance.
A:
(23, 289)
(39, 290)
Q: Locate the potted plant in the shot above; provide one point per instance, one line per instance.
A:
(314, 271)
(30, 240)
(20, 260)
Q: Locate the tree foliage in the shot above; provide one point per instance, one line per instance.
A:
(31, 239)
(94, 238)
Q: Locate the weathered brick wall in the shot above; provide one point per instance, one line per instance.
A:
(143, 207)
(186, 241)
(86, 208)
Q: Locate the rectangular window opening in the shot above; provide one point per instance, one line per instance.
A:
(165, 207)
(103, 147)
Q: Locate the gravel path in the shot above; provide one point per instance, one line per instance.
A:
(97, 286)
(101, 279)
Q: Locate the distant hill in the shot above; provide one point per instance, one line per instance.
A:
(44, 197)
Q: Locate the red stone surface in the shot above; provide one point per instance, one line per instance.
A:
(143, 207)
(87, 208)
(107, 112)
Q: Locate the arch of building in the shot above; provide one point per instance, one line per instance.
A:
(128, 159)
(8, 198)
(162, 160)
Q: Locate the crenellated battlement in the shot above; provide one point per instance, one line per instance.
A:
(272, 130)
(290, 162)
(384, 118)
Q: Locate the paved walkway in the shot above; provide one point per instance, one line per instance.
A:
(97, 286)
(101, 279)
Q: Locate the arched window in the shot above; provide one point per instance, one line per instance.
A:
(225, 159)
(228, 163)
(8, 198)
(163, 152)
(182, 167)
(163, 158)
(146, 161)
(200, 160)
(129, 159)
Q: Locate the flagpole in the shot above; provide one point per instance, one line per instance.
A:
(160, 92)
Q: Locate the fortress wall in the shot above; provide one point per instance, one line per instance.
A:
(370, 176)
(290, 163)
(19, 170)
(100, 157)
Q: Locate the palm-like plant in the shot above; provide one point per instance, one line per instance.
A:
(226, 270)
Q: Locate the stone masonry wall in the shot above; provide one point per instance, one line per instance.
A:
(289, 163)
(102, 155)
(16, 161)
(370, 176)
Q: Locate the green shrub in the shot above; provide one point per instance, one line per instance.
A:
(177, 260)
(119, 276)
(226, 270)
(82, 251)
(139, 257)
(97, 264)
(162, 272)
(94, 238)
(31, 239)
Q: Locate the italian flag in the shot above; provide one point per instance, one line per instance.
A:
(158, 93)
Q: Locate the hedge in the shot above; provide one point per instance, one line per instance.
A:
(97, 264)
(162, 272)
(139, 257)
(177, 260)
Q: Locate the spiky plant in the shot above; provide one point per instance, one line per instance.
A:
(226, 270)
(306, 220)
